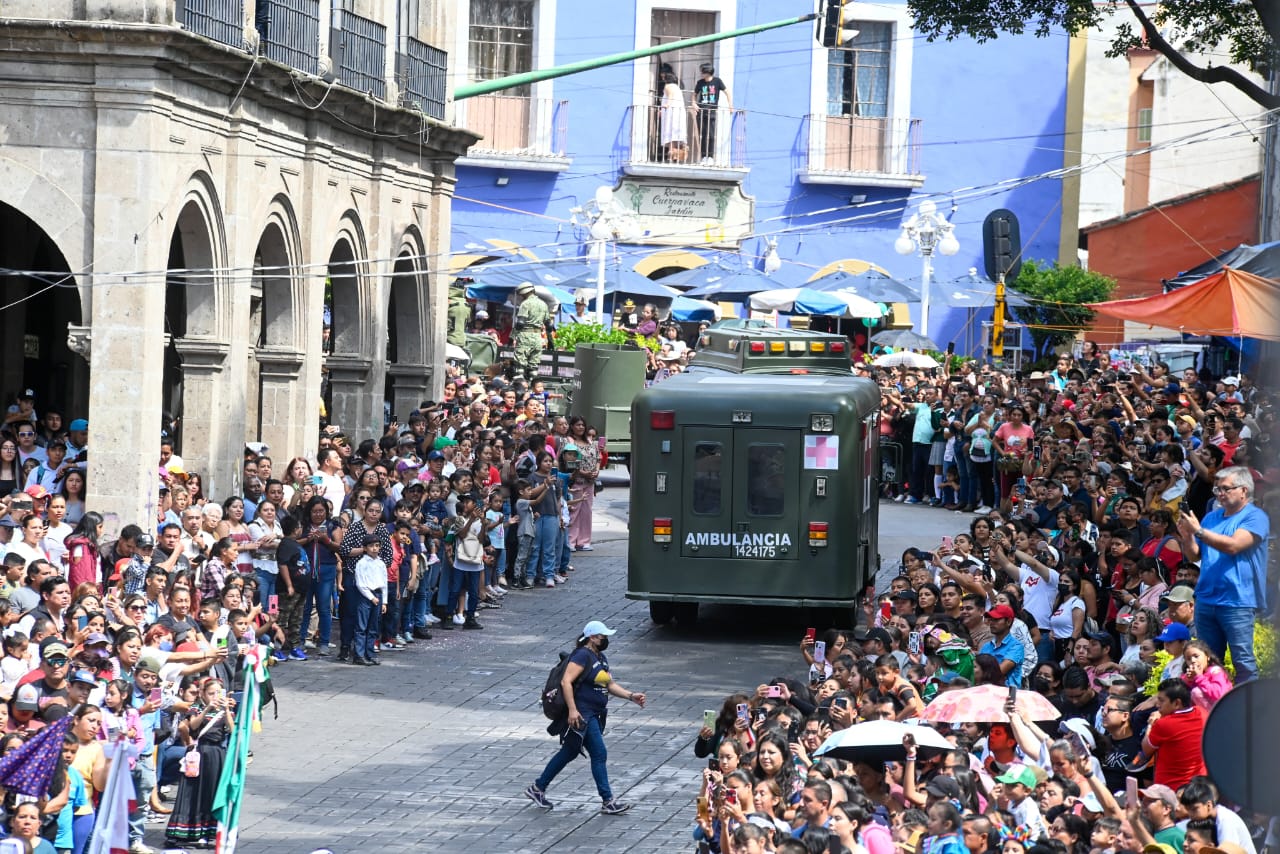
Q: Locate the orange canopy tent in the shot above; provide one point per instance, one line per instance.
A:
(1230, 303)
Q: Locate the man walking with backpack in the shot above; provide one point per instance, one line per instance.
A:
(584, 689)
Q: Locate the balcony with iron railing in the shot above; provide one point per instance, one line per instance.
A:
(521, 133)
(669, 142)
(289, 31)
(358, 46)
(862, 151)
(420, 73)
(289, 34)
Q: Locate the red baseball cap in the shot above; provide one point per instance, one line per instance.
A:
(1001, 612)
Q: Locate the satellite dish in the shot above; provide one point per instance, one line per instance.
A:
(1240, 748)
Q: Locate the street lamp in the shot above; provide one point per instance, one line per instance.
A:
(606, 221)
(927, 230)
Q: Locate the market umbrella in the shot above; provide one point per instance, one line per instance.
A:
(739, 285)
(905, 339)
(696, 276)
(811, 302)
(974, 290)
(876, 742)
(985, 704)
(686, 310)
(553, 296)
(1230, 302)
(871, 284)
(618, 280)
(506, 274)
(904, 359)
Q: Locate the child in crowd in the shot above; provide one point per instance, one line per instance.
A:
(527, 530)
(495, 526)
(371, 584)
(15, 664)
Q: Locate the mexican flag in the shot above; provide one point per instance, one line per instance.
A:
(226, 802)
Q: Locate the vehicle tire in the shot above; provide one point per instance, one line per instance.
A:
(686, 614)
(662, 612)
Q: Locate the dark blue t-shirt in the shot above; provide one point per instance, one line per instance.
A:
(591, 692)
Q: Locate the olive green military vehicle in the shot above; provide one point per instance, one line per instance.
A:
(754, 477)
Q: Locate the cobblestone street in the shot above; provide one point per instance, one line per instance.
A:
(433, 749)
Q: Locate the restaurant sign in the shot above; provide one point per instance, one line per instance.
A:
(687, 214)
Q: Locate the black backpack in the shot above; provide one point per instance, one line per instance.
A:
(554, 705)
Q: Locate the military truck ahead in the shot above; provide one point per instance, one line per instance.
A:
(753, 477)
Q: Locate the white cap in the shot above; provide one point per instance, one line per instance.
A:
(1235, 381)
(595, 627)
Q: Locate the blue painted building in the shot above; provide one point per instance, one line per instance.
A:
(824, 151)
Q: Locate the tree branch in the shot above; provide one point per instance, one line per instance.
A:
(1215, 74)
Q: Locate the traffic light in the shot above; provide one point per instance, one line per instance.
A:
(832, 31)
(1002, 245)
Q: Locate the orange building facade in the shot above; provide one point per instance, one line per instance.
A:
(1141, 248)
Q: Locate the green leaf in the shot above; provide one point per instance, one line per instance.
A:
(1057, 295)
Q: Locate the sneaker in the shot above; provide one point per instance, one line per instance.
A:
(377, 647)
(140, 847)
(330, 647)
(324, 650)
(421, 633)
(153, 817)
(548, 582)
(913, 500)
(562, 578)
(433, 620)
(982, 508)
(900, 498)
(502, 582)
(278, 655)
(458, 619)
(586, 548)
(615, 807)
(472, 623)
(309, 645)
(538, 797)
(498, 591)
(298, 654)
(406, 638)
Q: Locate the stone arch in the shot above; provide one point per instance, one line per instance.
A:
(278, 267)
(41, 337)
(349, 303)
(57, 213)
(408, 310)
(199, 322)
(198, 250)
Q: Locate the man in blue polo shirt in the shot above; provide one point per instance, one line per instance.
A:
(1231, 545)
(1006, 648)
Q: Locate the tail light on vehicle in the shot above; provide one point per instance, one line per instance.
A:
(662, 419)
(662, 529)
(817, 534)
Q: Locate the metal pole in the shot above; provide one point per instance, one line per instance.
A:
(485, 87)
(601, 245)
(927, 255)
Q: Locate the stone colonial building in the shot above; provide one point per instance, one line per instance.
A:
(219, 214)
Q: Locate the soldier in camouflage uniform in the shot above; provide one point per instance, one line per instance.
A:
(532, 316)
(459, 315)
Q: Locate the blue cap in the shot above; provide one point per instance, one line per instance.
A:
(1174, 632)
(78, 424)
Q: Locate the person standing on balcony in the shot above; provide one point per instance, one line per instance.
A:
(673, 124)
(531, 319)
(707, 94)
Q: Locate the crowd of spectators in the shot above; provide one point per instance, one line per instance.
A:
(1113, 560)
(346, 557)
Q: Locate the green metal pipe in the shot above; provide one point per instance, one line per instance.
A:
(484, 87)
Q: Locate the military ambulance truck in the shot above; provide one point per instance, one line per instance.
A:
(753, 477)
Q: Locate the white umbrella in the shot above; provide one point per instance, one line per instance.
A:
(811, 302)
(904, 359)
(881, 741)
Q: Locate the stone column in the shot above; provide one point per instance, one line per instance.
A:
(352, 399)
(409, 386)
(285, 414)
(205, 445)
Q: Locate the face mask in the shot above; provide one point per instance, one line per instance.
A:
(166, 646)
(1064, 589)
(604, 644)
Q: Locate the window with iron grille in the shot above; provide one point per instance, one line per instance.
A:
(858, 74)
(500, 41)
